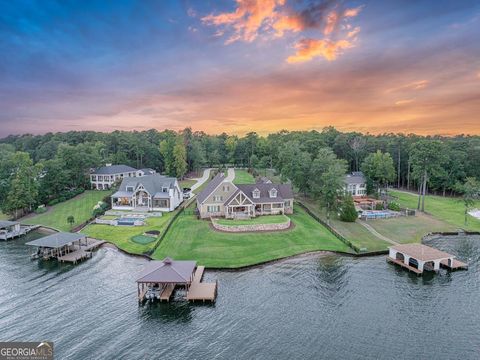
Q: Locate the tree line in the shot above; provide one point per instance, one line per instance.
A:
(34, 169)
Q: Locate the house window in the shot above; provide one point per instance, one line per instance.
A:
(226, 188)
(256, 194)
(129, 188)
(164, 189)
(273, 193)
(287, 203)
(217, 198)
(94, 177)
(213, 208)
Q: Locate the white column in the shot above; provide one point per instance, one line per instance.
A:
(406, 260)
(392, 253)
(420, 265)
(436, 265)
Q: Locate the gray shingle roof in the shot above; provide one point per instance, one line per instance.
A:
(168, 271)
(284, 192)
(211, 186)
(113, 169)
(56, 240)
(6, 223)
(355, 177)
(148, 171)
(154, 184)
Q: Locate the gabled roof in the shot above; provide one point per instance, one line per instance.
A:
(355, 177)
(284, 192)
(211, 187)
(168, 271)
(56, 240)
(153, 184)
(113, 169)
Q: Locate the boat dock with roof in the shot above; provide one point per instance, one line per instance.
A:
(159, 279)
(13, 229)
(65, 247)
(418, 258)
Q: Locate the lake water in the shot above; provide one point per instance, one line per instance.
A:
(312, 307)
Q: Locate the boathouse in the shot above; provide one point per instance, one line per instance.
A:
(10, 229)
(418, 258)
(160, 278)
(65, 247)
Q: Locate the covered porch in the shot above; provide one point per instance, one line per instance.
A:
(275, 208)
(239, 207)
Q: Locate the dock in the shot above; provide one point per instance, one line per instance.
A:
(13, 229)
(199, 291)
(167, 292)
(418, 258)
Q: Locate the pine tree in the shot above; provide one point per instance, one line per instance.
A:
(347, 210)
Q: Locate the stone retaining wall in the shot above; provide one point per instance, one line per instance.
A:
(253, 227)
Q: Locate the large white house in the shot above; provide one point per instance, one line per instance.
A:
(148, 193)
(104, 177)
(356, 184)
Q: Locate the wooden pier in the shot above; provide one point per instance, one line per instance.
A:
(418, 258)
(201, 291)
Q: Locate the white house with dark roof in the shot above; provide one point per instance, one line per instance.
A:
(356, 184)
(222, 198)
(104, 177)
(148, 193)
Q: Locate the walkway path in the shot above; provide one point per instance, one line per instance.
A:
(201, 180)
(230, 175)
(376, 233)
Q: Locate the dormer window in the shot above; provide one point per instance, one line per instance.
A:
(273, 193)
(256, 194)
(129, 188)
(164, 189)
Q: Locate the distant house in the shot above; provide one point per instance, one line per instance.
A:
(356, 184)
(222, 198)
(104, 177)
(145, 171)
(150, 193)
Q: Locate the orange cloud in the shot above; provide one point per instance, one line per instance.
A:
(247, 19)
(415, 85)
(403, 102)
(332, 21)
(307, 49)
(354, 32)
(352, 12)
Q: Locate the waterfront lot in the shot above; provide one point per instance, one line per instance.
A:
(121, 236)
(80, 207)
(449, 210)
(190, 238)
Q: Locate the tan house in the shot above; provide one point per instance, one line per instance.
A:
(222, 198)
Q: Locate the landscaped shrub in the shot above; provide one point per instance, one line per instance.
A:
(394, 206)
(347, 210)
(378, 206)
(99, 209)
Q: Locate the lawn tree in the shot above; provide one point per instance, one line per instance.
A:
(470, 191)
(180, 158)
(379, 168)
(427, 158)
(295, 165)
(348, 213)
(70, 220)
(326, 179)
(23, 190)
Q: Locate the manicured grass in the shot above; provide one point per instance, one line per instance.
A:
(270, 219)
(121, 236)
(3, 216)
(190, 238)
(188, 183)
(80, 207)
(447, 209)
(407, 229)
(354, 232)
(142, 239)
(243, 177)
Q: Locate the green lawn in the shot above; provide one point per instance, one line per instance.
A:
(188, 183)
(446, 209)
(121, 236)
(80, 207)
(243, 177)
(408, 229)
(3, 216)
(354, 232)
(190, 238)
(271, 219)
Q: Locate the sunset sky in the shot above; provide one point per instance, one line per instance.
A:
(240, 66)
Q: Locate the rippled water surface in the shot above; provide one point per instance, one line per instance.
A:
(309, 307)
